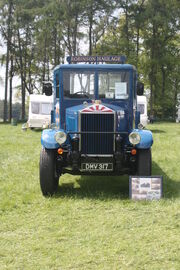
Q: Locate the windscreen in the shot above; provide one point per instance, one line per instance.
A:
(114, 85)
(78, 84)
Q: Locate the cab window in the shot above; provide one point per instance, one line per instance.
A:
(113, 85)
(78, 84)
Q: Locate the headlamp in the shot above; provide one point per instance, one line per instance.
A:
(134, 138)
(60, 137)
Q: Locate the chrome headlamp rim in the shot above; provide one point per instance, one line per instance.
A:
(134, 138)
(60, 137)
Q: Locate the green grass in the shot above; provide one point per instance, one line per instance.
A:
(90, 223)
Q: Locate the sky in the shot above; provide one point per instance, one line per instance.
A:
(16, 81)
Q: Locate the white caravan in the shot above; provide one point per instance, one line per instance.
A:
(178, 109)
(178, 115)
(40, 107)
(142, 107)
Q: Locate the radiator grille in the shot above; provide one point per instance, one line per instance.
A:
(96, 142)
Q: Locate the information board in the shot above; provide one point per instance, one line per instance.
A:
(145, 187)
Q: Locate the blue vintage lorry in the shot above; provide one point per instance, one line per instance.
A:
(95, 122)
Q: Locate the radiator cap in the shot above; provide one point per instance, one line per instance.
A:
(97, 101)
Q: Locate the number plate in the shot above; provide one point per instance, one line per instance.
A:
(97, 166)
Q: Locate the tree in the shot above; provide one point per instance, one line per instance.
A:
(160, 30)
(147, 33)
(6, 13)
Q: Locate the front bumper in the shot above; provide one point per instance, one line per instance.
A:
(120, 162)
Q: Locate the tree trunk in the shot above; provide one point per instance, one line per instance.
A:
(48, 71)
(22, 77)
(175, 99)
(6, 84)
(90, 30)
(55, 46)
(75, 36)
(69, 40)
(163, 80)
(10, 89)
(45, 58)
(137, 47)
(151, 98)
(9, 34)
(127, 29)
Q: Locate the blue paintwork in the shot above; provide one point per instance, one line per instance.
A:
(96, 67)
(137, 118)
(127, 105)
(72, 117)
(47, 139)
(146, 139)
(66, 117)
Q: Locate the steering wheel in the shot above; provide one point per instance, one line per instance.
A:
(81, 93)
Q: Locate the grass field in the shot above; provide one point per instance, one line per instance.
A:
(90, 223)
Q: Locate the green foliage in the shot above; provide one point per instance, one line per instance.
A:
(16, 110)
(148, 33)
(42, 32)
(90, 223)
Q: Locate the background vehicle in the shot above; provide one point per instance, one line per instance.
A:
(40, 107)
(178, 109)
(178, 115)
(96, 118)
(142, 107)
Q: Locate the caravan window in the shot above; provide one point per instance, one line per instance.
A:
(35, 108)
(140, 108)
(46, 108)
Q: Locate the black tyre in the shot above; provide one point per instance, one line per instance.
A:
(144, 162)
(49, 179)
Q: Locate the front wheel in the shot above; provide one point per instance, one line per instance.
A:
(144, 162)
(49, 178)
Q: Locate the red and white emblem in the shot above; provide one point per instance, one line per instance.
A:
(97, 108)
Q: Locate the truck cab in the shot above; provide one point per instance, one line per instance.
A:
(94, 123)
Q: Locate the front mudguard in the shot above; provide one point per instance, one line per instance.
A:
(146, 139)
(47, 139)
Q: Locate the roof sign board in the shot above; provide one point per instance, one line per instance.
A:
(96, 59)
(145, 187)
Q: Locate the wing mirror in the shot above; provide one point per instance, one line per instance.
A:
(140, 88)
(47, 88)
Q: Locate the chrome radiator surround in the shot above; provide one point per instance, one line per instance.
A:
(100, 134)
